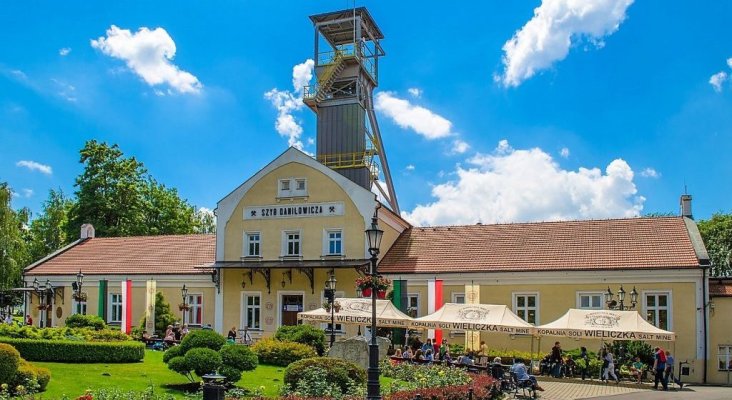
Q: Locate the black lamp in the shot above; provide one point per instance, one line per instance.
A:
(373, 235)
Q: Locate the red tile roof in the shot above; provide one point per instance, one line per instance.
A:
(166, 254)
(644, 243)
(720, 287)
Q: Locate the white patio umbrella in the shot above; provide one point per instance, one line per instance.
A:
(604, 324)
(475, 317)
(358, 312)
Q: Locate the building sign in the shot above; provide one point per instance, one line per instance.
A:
(294, 210)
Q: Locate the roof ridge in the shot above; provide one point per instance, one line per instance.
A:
(548, 222)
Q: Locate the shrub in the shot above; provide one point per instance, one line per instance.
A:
(316, 383)
(341, 372)
(202, 338)
(305, 334)
(275, 352)
(483, 389)
(239, 357)
(78, 351)
(85, 321)
(174, 351)
(178, 364)
(203, 361)
(64, 333)
(163, 315)
(9, 362)
(29, 374)
(413, 376)
(232, 374)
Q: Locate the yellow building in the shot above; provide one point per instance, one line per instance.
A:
(720, 339)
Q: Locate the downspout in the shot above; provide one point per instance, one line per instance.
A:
(704, 315)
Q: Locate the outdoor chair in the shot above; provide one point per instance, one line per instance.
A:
(524, 385)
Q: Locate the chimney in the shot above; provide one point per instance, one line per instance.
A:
(685, 203)
(87, 231)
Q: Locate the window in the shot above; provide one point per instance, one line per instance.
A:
(589, 300)
(413, 304)
(252, 244)
(458, 298)
(115, 308)
(334, 242)
(252, 311)
(194, 316)
(75, 307)
(292, 244)
(724, 358)
(292, 187)
(658, 309)
(327, 327)
(526, 306)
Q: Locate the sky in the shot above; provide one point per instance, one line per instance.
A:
(490, 111)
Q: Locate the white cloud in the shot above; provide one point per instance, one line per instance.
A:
(409, 167)
(19, 74)
(459, 147)
(650, 173)
(35, 166)
(65, 90)
(729, 62)
(409, 116)
(556, 24)
(25, 192)
(717, 80)
(511, 185)
(148, 53)
(287, 102)
(564, 152)
(63, 52)
(415, 92)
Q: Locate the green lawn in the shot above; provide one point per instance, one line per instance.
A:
(73, 379)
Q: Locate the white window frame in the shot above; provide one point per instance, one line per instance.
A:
(669, 307)
(191, 309)
(326, 241)
(74, 306)
(247, 242)
(304, 185)
(339, 329)
(724, 350)
(591, 294)
(454, 296)
(243, 320)
(419, 301)
(292, 190)
(536, 308)
(112, 305)
(285, 242)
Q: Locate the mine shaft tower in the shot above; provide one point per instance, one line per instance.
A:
(347, 71)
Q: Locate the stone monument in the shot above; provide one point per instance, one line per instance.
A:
(356, 349)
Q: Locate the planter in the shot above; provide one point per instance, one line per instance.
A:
(381, 294)
(366, 292)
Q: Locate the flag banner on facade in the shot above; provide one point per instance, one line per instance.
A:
(475, 317)
(126, 324)
(438, 305)
(400, 303)
(472, 296)
(604, 324)
(102, 308)
(150, 291)
(358, 312)
(434, 302)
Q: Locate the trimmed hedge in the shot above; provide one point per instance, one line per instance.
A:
(341, 372)
(202, 338)
(9, 362)
(79, 352)
(274, 352)
(85, 321)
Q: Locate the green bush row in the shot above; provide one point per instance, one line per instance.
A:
(76, 351)
(66, 333)
(275, 352)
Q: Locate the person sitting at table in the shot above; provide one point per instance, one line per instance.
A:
(169, 338)
(183, 331)
(418, 356)
(407, 354)
(497, 368)
(519, 368)
(146, 337)
(447, 358)
(569, 367)
(427, 346)
(466, 359)
(428, 355)
(636, 370)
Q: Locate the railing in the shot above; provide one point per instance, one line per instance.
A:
(347, 160)
(364, 55)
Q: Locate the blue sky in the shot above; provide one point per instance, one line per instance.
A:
(610, 117)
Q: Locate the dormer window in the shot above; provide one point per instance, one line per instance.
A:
(292, 187)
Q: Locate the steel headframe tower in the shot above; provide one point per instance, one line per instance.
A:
(347, 70)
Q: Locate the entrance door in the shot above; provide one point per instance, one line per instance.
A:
(291, 305)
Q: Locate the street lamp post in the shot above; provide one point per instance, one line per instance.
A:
(184, 295)
(330, 289)
(373, 234)
(620, 303)
(79, 283)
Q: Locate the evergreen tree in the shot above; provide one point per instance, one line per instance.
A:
(163, 315)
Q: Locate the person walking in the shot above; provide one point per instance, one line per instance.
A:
(659, 366)
(669, 372)
(586, 358)
(610, 370)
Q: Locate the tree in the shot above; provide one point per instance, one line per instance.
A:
(163, 315)
(717, 235)
(49, 229)
(205, 221)
(13, 239)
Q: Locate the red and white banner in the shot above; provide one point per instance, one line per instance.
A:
(434, 303)
(126, 325)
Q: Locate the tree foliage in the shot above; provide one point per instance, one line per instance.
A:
(14, 239)
(717, 235)
(163, 315)
(49, 229)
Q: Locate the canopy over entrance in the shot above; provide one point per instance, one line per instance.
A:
(604, 324)
(475, 317)
(358, 312)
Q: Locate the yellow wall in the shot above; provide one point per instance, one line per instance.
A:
(720, 334)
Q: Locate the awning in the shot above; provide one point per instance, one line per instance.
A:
(358, 312)
(475, 317)
(604, 324)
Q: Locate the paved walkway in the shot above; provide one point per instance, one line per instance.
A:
(688, 393)
(572, 390)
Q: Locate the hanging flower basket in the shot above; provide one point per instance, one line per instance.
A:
(45, 307)
(79, 296)
(369, 282)
(381, 294)
(184, 307)
(366, 292)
